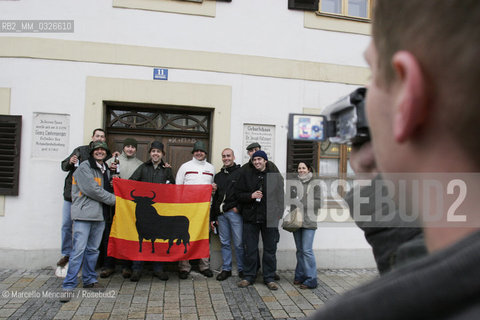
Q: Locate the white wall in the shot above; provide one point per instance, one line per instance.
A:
(31, 225)
(250, 27)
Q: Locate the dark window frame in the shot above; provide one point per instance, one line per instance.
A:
(10, 147)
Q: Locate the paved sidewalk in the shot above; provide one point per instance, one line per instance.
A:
(32, 295)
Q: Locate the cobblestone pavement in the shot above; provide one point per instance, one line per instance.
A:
(34, 295)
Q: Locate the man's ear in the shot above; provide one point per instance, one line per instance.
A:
(411, 107)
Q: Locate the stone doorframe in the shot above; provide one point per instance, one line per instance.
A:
(217, 97)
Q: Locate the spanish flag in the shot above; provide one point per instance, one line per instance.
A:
(160, 222)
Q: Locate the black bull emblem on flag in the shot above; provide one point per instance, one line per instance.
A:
(151, 225)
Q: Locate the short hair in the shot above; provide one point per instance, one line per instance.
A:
(233, 152)
(98, 129)
(443, 36)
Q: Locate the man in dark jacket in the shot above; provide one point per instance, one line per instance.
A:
(226, 214)
(153, 171)
(70, 164)
(261, 194)
(251, 149)
(271, 167)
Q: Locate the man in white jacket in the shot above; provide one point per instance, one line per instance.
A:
(196, 171)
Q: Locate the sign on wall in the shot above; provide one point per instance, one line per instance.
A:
(50, 135)
(263, 134)
(160, 74)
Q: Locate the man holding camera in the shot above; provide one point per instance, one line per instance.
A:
(423, 117)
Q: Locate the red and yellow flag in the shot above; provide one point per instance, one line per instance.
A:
(160, 222)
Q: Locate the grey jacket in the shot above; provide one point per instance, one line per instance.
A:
(88, 194)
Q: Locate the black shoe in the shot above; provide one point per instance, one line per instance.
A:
(183, 274)
(63, 261)
(161, 275)
(66, 296)
(224, 275)
(240, 274)
(95, 286)
(276, 276)
(207, 273)
(105, 273)
(135, 275)
(126, 273)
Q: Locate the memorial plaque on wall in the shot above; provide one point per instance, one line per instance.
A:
(263, 134)
(50, 137)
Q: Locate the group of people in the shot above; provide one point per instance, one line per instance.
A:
(249, 202)
(246, 201)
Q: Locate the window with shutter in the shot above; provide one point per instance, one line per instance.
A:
(300, 150)
(10, 138)
(311, 5)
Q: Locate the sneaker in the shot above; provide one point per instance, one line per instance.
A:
(224, 275)
(207, 273)
(95, 286)
(61, 272)
(105, 273)
(66, 295)
(183, 274)
(276, 277)
(63, 261)
(126, 273)
(161, 275)
(240, 274)
(243, 284)
(272, 286)
(135, 275)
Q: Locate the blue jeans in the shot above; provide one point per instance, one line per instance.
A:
(251, 233)
(87, 236)
(66, 228)
(230, 226)
(306, 270)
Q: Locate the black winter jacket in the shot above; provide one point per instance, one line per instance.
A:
(225, 180)
(83, 153)
(147, 173)
(270, 209)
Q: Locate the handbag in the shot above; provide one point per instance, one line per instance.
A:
(293, 220)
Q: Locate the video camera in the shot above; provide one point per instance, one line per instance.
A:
(343, 122)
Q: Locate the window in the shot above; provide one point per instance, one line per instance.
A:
(157, 119)
(333, 160)
(360, 9)
(299, 150)
(311, 5)
(10, 138)
(329, 160)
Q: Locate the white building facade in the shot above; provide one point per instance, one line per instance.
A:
(234, 69)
